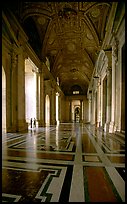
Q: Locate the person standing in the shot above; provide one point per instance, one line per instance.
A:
(31, 122)
(34, 122)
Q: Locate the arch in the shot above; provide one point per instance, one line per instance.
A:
(76, 89)
(3, 100)
(99, 61)
(100, 57)
(47, 110)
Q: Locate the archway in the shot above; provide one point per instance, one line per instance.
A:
(47, 110)
(77, 114)
(104, 101)
(3, 101)
(74, 110)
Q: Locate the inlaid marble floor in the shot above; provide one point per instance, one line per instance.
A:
(71, 162)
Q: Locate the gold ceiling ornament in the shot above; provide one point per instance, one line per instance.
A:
(53, 52)
(67, 12)
(86, 64)
(95, 12)
(89, 36)
(74, 70)
(41, 20)
(71, 46)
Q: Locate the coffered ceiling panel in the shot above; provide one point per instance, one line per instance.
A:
(70, 34)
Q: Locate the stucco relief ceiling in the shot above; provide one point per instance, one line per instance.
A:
(70, 35)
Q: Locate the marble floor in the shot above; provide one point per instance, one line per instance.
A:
(70, 162)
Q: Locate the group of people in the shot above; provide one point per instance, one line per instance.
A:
(32, 122)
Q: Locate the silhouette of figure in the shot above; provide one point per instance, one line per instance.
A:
(31, 122)
(34, 122)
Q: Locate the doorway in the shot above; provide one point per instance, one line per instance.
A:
(77, 114)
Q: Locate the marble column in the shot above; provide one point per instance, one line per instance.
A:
(80, 110)
(90, 104)
(70, 111)
(6, 62)
(108, 108)
(104, 109)
(99, 103)
(85, 111)
(14, 90)
(41, 121)
(57, 108)
(37, 96)
(60, 107)
(93, 109)
(22, 125)
(53, 107)
(113, 103)
(17, 120)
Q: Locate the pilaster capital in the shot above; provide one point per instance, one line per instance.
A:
(108, 70)
(94, 94)
(115, 48)
(40, 71)
(25, 55)
(99, 82)
(109, 57)
(90, 99)
(14, 60)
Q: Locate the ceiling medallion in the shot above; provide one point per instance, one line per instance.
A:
(75, 78)
(71, 47)
(59, 66)
(41, 20)
(67, 13)
(95, 12)
(89, 36)
(53, 52)
(73, 70)
(86, 64)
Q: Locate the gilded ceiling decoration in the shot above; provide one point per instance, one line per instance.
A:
(70, 35)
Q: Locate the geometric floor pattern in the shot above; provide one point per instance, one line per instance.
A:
(69, 162)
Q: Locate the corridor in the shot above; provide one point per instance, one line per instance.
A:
(69, 162)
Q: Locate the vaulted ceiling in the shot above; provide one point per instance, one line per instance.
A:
(70, 34)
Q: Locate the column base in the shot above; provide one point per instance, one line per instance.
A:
(19, 127)
(53, 122)
(106, 127)
(111, 127)
(22, 126)
(98, 124)
(92, 122)
(115, 128)
(41, 123)
(11, 129)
